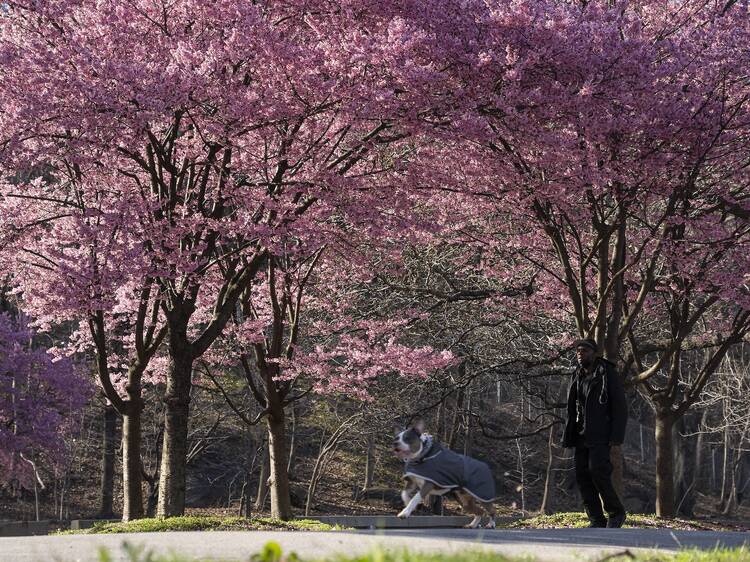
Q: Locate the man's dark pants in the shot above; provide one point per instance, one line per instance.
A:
(594, 478)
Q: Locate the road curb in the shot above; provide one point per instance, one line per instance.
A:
(25, 528)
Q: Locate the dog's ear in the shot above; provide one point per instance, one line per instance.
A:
(419, 426)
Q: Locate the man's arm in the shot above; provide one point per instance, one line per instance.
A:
(568, 435)
(618, 407)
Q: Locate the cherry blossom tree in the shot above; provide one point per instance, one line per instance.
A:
(297, 330)
(40, 397)
(618, 183)
(208, 135)
(189, 154)
(73, 261)
(606, 174)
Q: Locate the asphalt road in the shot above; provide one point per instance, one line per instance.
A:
(545, 544)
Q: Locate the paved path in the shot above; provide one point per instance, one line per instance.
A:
(545, 544)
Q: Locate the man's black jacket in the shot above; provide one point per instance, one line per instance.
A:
(605, 411)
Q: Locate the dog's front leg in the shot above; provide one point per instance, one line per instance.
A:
(405, 497)
(406, 493)
(423, 492)
(411, 506)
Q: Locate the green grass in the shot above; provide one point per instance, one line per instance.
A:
(272, 553)
(579, 519)
(690, 555)
(204, 523)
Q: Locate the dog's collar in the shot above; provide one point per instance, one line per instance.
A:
(427, 446)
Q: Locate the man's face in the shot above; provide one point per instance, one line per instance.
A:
(585, 355)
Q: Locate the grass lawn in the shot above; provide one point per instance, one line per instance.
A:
(579, 519)
(204, 523)
(222, 523)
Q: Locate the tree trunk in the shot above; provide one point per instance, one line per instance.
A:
(467, 423)
(546, 506)
(281, 505)
(109, 448)
(724, 463)
(731, 502)
(292, 442)
(318, 470)
(742, 479)
(131, 465)
(315, 477)
(699, 479)
(174, 449)
(369, 462)
(685, 468)
(664, 466)
(245, 510)
(453, 433)
(152, 498)
(440, 421)
(640, 435)
(262, 493)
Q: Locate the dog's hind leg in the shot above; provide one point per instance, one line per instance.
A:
(489, 509)
(470, 505)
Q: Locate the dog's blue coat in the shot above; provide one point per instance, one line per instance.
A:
(448, 469)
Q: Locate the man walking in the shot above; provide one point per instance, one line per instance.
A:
(597, 415)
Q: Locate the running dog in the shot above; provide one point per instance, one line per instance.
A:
(433, 470)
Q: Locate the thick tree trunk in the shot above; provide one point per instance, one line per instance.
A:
(130, 409)
(665, 506)
(131, 465)
(281, 505)
(109, 449)
(174, 449)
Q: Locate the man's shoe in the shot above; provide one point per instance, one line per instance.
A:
(616, 521)
(597, 524)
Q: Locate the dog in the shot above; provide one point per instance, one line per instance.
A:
(433, 470)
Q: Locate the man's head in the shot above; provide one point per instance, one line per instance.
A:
(585, 352)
